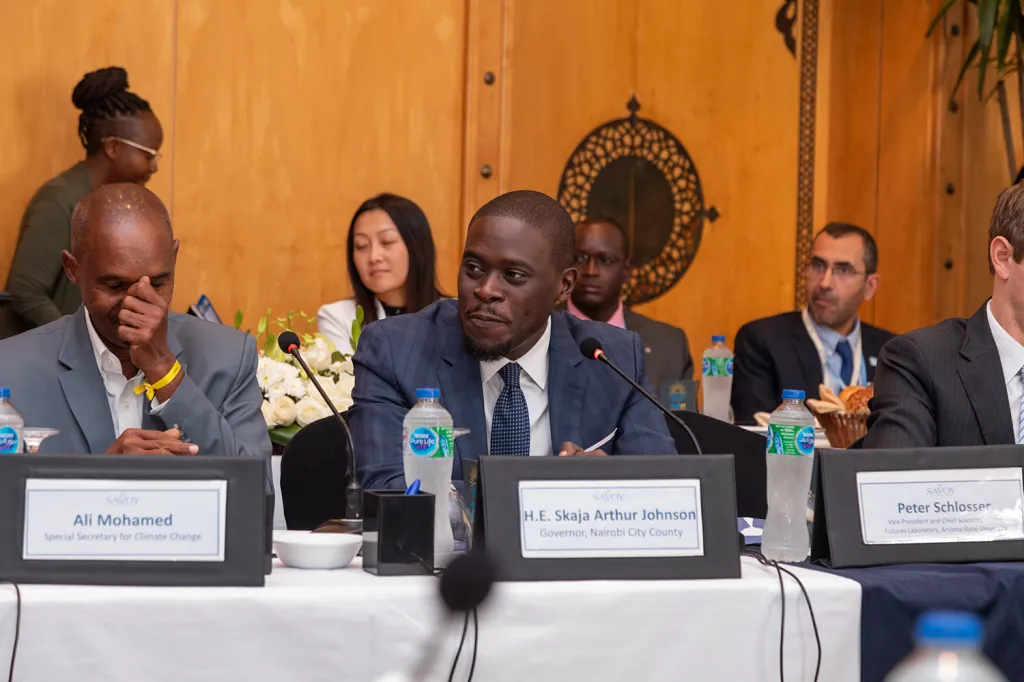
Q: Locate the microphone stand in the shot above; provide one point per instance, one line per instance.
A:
(599, 355)
(353, 493)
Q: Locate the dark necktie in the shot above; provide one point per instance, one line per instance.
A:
(846, 355)
(510, 424)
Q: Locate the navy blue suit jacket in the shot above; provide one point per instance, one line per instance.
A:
(586, 400)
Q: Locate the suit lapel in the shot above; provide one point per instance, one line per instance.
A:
(872, 340)
(83, 386)
(462, 395)
(566, 384)
(806, 353)
(981, 373)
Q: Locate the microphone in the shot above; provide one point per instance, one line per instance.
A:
(289, 343)
(591, 348)
(465, 585)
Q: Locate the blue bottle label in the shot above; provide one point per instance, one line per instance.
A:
(9, 442)
(432, 441)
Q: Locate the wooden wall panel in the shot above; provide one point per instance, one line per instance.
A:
(735, 109)
(290, 114)
(46, 46)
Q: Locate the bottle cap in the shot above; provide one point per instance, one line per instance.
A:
(948, 627)
(428, 393)
(792, 395)
(5, 392)
(717, 338)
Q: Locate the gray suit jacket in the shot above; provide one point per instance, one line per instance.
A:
(666, 349)
(940, 386)
(55, 382)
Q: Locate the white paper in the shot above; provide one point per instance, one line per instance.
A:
(124, 520)
(605, 519)
(951, 505)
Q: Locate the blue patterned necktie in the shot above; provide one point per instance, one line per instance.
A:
(1020, 415)
(846, 356)
(510, 424)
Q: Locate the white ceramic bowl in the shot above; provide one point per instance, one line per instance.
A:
(302, 549)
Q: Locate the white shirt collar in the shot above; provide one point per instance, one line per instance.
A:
(105, 360)
(1011, 353)
(534, 362)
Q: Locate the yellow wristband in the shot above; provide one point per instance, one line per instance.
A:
(151, 389)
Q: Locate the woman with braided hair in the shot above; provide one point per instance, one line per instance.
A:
(122, 139)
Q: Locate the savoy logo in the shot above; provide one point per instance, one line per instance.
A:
(122, 500)
(941, 490)
(608, 496)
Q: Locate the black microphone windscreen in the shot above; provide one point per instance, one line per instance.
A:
(466, 582)
(589, 347)
(287, 340)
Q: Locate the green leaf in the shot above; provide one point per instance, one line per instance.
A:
(986, 51)
(271, 345)
(337, 356)
(986, 22)
(360, 315)
(1007, 23)
(938, 17)
(971, 56)
(261, 326)
(281, 435)
(238, 319)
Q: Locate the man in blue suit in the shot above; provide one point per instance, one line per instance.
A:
(508, 365)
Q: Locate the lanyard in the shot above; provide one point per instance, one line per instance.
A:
(858, 354)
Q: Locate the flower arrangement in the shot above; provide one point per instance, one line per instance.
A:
(290, 401)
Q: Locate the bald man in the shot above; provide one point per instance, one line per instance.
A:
(81, 373)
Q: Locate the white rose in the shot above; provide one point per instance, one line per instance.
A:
(283, 410)
(345, 367)
(309, 410)
(317, 355)
(345, 384)
(268, 414)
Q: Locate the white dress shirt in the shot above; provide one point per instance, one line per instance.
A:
(125, 405)
(1011, 357)
(534, 381)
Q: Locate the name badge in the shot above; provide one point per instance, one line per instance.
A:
(607, 519)
(121, 520)
(951, 505)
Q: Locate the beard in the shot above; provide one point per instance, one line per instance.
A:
(482, 353)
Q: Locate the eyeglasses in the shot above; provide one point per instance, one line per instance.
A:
(581, 259)
(153, 154)
(818, 268)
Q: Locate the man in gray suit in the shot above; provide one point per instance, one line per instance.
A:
(961, 382)
(602, 258)
(123, 375)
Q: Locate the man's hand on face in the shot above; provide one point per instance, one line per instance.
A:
(143, 320)
(142, 442)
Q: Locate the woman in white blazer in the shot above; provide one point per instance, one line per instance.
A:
(391, 264)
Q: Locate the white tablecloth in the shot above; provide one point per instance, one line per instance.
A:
(348, 625)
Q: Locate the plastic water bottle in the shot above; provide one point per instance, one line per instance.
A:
(948, 650)
(716, 382)
(790, 454)
(11, 425)
(428, 446)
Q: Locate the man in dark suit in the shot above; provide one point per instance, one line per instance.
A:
(960, 381)
(123, 375)
(826, 343)
(602, 259)
(508, 365)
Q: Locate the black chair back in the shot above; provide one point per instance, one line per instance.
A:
(313, 476)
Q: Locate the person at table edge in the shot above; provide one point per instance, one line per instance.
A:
(960, 382)
(602, 259)
(826, 342)
(83, 373)
(507, 363)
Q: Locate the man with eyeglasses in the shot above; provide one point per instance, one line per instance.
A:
(602, 259)
(826, 342)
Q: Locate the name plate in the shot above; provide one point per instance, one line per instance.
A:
(611, 519)
(124, 520)
(946, 505)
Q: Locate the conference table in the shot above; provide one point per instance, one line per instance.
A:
(350, 625)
